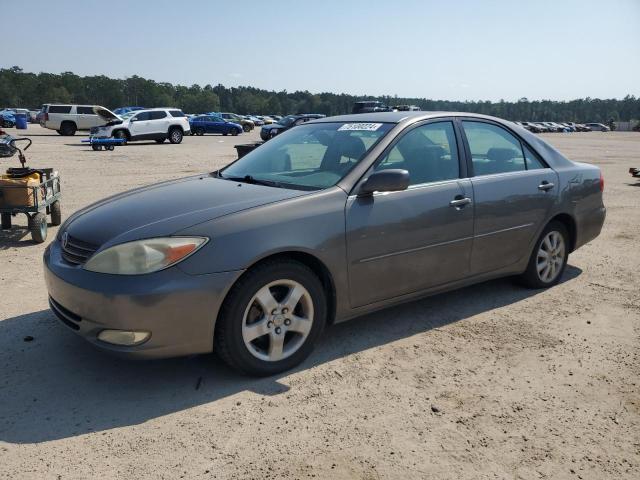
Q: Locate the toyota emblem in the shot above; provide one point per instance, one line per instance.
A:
(65, 239)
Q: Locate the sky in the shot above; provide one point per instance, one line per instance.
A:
(437, 49)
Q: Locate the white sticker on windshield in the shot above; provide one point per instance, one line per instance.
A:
(367, 127)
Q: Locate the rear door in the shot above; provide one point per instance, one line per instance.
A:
(158, 123)
(513, 192)
(411, 240)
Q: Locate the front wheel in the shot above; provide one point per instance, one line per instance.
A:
(121, 135)
(246, 128)
(56, 213)
(549, 257)
(235, 132)
(271, 318)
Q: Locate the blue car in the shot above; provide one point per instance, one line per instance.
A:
(202, 124)
(7, 119)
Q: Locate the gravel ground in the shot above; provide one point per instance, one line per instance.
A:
(492, 381)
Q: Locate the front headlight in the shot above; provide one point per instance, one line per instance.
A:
(144, 256)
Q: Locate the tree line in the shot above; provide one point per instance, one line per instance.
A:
(30, 90)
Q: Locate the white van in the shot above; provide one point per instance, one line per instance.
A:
(67, 119)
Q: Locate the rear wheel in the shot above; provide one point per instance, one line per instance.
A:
(56, 213)
(38, 227)
(68, 129)
(271, 318)
(235, 132)
(199, 131)
(549, 257)
(175, 135)
(96, 147)
(246, 128)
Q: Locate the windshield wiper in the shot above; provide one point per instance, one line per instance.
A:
(252, 180)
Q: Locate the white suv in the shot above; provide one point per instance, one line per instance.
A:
(67, 119)
(156, 124)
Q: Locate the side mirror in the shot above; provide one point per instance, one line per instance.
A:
(392, 180)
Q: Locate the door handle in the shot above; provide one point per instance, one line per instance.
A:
(460, 202)
(545, 186)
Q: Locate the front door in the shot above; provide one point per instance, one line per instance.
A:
(139, 126)
(513, 192)
(407, 241)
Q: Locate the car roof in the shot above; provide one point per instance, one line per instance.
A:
(400, 117)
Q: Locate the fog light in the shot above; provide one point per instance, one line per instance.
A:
(123, 337)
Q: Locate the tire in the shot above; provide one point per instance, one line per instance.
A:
(56, 213)
(199, 131)
(95, 147)
(246, 128)
(6, 221)
(255, 357)
(160, 140)
(68, 129)
(175, 135)
(38, 227)
(225, 133)
(121, 134)
(235, 132)
(534, 276)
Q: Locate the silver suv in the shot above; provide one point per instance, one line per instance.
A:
(157, 124)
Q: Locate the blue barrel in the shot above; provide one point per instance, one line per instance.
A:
(21, 121)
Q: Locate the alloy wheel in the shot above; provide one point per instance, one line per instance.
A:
(277, 320)
(551, 257)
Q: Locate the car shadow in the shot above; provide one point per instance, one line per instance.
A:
(57, 386)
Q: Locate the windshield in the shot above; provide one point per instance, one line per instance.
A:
(309, 157)
(286, 121)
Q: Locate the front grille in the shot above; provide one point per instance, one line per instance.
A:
(76, 251)
(67, 317)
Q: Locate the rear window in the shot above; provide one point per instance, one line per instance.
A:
(85, 110)
(59, 109)
(176, 113)
(157, 115)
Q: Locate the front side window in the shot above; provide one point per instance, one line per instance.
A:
(141, 116)
(429, 153)
(309, 157)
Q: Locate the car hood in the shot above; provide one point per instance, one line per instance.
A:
(106, 114)
(165, 208)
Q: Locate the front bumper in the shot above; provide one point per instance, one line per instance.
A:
(178, 309)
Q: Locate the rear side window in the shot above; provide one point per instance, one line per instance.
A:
(157, 115)
(59, 109)
(85, 110)
(493, 149)
(176, 113)
(532, 160)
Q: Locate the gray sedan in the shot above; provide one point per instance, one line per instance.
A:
(330, 220)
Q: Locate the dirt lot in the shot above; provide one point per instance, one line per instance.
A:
(492, 381)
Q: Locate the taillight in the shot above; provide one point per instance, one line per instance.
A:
(46, 116)
(601, 182)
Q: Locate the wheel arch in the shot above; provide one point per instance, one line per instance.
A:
(126, 132)
(316, 265)
(569, 222)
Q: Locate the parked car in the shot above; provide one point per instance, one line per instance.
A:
(247, 125)
(541, 125)
(122, 110)
(598, 127)
(7, 119)
(266, 119)
(406, 108)
(258, 122)
(532, 127)
(157, 124)
(369, 106)
(33, 116)
(277, 118)
(68, 119)
(290, 121)
(253, 260)
(202, 124)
